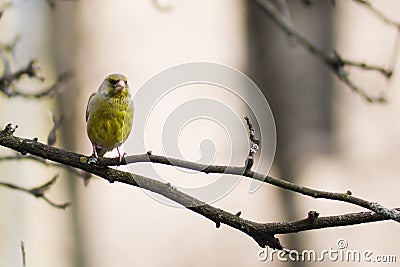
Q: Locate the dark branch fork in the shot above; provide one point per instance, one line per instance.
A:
(31, 70)
(333, 60)
(262, 233)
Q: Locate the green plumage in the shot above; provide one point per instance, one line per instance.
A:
(109, 115)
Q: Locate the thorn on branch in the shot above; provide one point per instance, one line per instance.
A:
(217, 224)
(238, 213)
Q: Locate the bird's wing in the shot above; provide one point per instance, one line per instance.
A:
(87, 107)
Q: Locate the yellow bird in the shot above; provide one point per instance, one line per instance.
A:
(109, 115)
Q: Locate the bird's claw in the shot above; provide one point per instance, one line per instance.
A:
(121, 157)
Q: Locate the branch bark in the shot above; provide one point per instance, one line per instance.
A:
(243, 171)
(262, 233)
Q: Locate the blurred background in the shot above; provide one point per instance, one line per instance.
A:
(328, 138)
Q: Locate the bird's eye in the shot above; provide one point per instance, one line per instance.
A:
(113, 82)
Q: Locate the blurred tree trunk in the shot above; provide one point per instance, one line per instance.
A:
(297, 86)
(66, 36)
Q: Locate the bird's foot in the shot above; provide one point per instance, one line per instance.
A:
(121, 157)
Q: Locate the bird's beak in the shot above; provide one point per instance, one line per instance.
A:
(120, 85)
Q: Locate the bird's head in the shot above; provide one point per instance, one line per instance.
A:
(115, 85)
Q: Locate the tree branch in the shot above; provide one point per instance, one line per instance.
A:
(38, 192)
(333, 60)
(313, 222)
(85, 175)
(241, 171)
(31, 70)
(8, 87)
(379, 14)
(262, 233)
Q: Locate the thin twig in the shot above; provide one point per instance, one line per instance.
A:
(23, 254)
(10, 90)
(31, 70)
(362, 65)
(38, 192)
(333, 60)
(379, 14)
(254, 147)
